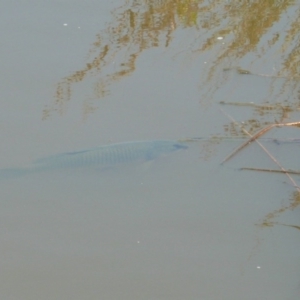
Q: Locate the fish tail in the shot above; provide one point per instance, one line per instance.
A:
(13, 173)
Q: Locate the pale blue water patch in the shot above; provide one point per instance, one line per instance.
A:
(160, 234)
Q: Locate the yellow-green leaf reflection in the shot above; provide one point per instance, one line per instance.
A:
(261, 31)
(270, 219)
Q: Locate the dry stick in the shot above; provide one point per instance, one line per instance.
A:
(257, 135)
(275, 76)
(252, 138)
(271, 170)
(246, 72)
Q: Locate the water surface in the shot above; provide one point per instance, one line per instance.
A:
(181, 226)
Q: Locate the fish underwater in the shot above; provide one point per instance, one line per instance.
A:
(99, 157)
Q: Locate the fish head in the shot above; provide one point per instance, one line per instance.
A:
(163, 147)
(179, 146)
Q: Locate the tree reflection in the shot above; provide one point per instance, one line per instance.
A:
(253, 31)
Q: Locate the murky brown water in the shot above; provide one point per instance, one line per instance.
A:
(184, 226)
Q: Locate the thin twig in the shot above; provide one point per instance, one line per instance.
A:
(254, 137)
(272, 171)
(257, 135)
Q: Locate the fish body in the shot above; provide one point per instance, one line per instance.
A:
(103, 156)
